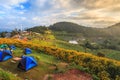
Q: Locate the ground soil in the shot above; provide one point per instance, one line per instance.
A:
(72, 74)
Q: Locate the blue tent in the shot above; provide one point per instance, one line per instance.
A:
(28, 51)
(12, 47)
(5, 55)
(27, 62)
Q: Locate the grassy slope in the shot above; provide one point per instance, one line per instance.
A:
(6, 75)
(66, 45)
(44, 62)
(113, 54)
(47, 64)
(63, 37)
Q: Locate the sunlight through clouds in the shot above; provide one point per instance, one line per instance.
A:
(29, 13)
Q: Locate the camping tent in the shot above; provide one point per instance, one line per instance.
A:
(28, 51)
(3, 46)
(12, 47)
(27, 62)
(5, 55)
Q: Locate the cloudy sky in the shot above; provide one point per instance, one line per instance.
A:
(28, 13)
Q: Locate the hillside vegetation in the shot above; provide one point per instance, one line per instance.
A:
(113, 30)
(104, 68)
(38, 29)
(104, 38)
(68, 30)
(87, 32)
(75, 30)
(99, 40)
(96, 53)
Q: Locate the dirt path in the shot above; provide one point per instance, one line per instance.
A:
(73, 74)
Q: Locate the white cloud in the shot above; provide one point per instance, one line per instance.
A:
(40, 3)
(11, 2)
(94, 13)
(23, 18)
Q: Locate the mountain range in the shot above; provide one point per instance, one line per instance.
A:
(68, 29)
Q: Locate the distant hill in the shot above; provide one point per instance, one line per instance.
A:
(71, 30)
(68, 27)
(38, 29)
(113, 30)
(82, 30)
(117, 25)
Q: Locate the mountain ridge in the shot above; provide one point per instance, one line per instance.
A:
(77, 30)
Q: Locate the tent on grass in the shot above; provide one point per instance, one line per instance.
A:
(12, 47)
(5, 55)
(27, 62)
(4, 46)
(28, 51)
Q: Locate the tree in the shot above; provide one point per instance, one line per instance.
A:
(100, 54)
(86, 45)
(91, 46)
(106, 43)
(14, 32)
(3, 34)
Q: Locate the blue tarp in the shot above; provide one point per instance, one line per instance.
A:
(12, 47)
(4, 46)
(1, 55)
(5, 55)
(27, 62)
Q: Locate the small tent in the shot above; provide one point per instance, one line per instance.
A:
(27, 62)
(28, 51)
(73, 42)
(12, 47)
(5, 55)
(4, 46)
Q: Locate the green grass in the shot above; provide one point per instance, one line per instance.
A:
(66, 45)
(113, 54)
(42, 39)
(47, 64)
(42, 42)
(5, 75)
(38, 55)
(37, 73)
(46, 58)
(18, 52)
(62, 42)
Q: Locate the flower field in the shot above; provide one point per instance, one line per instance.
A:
(104, 68)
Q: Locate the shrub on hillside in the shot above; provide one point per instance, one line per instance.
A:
(107, 69)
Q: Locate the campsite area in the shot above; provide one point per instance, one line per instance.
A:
(43, 68)
(59, 39)
(48, 68)
(58, 60)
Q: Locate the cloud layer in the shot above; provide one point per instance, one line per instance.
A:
(93, 13)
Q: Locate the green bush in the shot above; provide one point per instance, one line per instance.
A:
(105, 68)
(5, 75)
